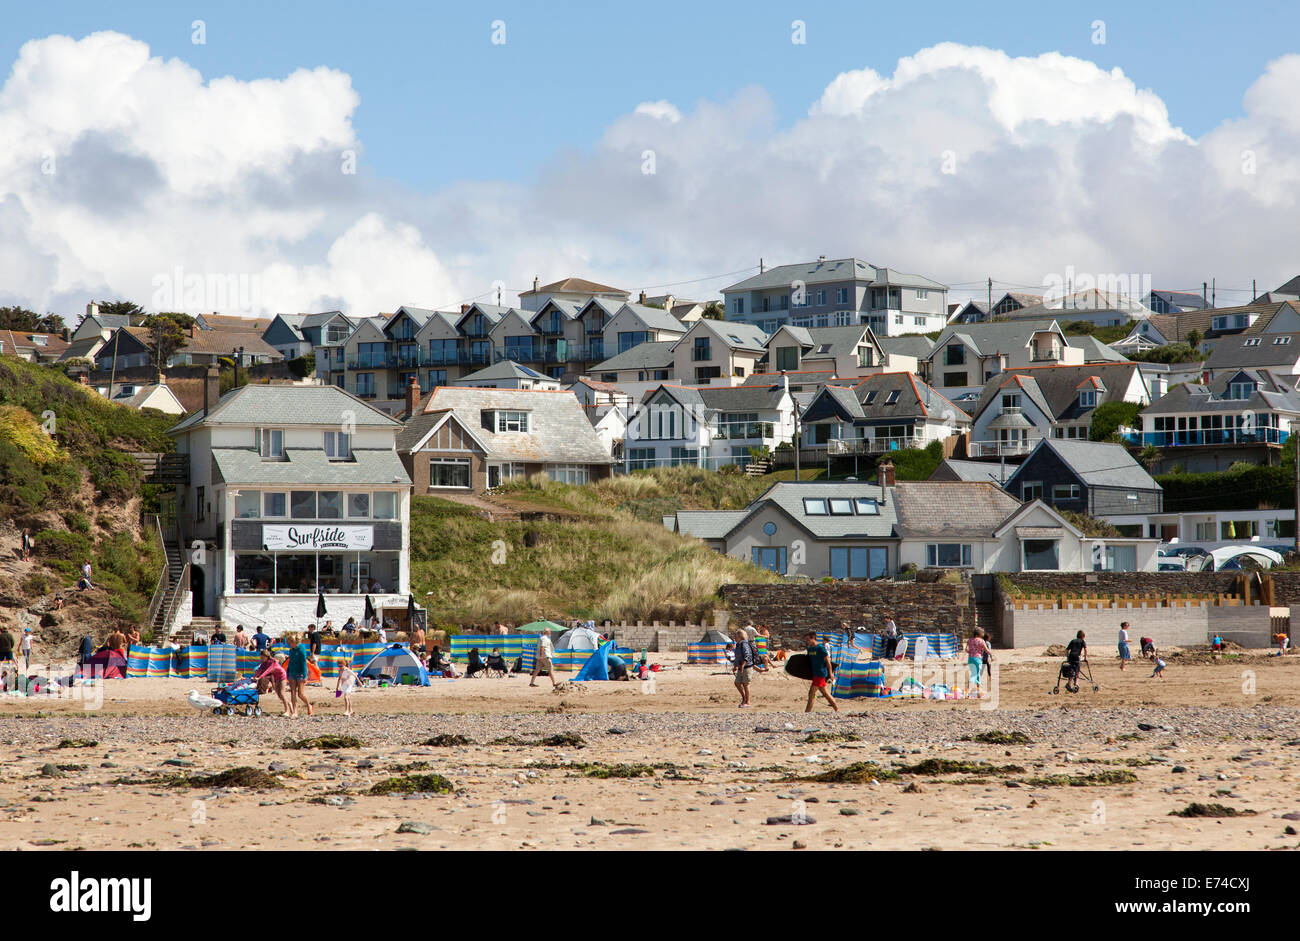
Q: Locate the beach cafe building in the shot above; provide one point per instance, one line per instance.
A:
(292, 491)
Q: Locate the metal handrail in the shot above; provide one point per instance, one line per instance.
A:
(177, 593)
(164, 577)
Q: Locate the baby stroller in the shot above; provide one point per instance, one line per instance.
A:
(237, 698)
(1070, 672)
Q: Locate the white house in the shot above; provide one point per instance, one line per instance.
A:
(707, 427)
(292, 490)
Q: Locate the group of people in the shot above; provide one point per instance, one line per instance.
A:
(1076, 655)
(24, 647)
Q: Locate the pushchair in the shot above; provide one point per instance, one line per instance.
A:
(1070, 671)
(237, 698)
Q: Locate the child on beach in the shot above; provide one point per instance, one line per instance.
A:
(346, 683)
(1160, 668)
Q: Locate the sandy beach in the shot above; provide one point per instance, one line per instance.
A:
(1096, 770)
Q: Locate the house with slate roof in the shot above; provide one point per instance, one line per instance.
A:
(964, 358)
(838, 292)
(470, 440)
(877, 414)
(848, 351)
(1243, 415)
(292, 491)
(1089, 477)
(507, 374)
(1019, 407)
(855, 530)
(707, 426)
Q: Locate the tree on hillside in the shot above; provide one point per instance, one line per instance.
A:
(122, 308)
(166, 336)
(1108, 416)
(19, 318)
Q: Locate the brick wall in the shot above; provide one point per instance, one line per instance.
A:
(789, 610)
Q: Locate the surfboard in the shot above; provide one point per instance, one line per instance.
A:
(799, 666)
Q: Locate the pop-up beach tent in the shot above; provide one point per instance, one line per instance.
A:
(578, 638)
(597, 665)
(714, 637)
(398, 662)
(109, 664)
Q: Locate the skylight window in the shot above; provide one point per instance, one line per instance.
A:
(893, 397)
(1253, 341)
(814, 507)
(871, 397)
(866, 506)
(1281, 341)
(841, 506)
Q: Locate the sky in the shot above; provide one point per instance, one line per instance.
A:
(299, 156)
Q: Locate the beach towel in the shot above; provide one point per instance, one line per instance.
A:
(857, 679)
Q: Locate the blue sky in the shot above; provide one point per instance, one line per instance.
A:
(440, 102)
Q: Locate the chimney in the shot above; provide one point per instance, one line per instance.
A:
(536, 283)
(211, 389)
(642, 301)
(885, 474)
(412, 395)
(92, 309)
(464, 308)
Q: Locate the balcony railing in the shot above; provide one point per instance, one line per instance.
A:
(1209, 436)
(745, 431)
(1043, 356)
(840, 446)
(1000, 448)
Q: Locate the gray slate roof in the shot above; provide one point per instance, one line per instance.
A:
(1194, 398)
(558, 429)
(1098, 464)
(1094, 351)
(915, 401)
(652, 355)
(656, 318)
(708, 524)
(1055, 389)
(724, 398)
(913, 344)
(828, 341)
(940, 508)
(309, 467)
(505, 369)
(279, 406)
(789, 496)
(998, 337)
(970, 471)
(832, 269)
(1233, 351)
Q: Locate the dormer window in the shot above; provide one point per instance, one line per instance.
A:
(338, 445)
(1241, 390)
(1088, 398)
(512, 421)
(270, 443)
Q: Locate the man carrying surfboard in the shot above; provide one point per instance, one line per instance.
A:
(822, 671)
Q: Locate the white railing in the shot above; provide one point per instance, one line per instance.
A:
(1000, 448)
(837, 446)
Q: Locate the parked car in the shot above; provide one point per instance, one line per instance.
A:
(1171, 564)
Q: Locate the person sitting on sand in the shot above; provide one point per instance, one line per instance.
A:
(116, 641)
(438, 664)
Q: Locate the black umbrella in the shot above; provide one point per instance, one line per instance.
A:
(370, 609)
(320, 605)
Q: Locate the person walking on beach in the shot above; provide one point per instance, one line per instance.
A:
(822, 670)
(976, 648)
(314, 639)
(346, 683)
(743, 665)
(1074, 651)
(26, 644)
(296, 671)
(543, 659)
(1125, 652)
(27, 545)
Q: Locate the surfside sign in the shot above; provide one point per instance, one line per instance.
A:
(318, 538)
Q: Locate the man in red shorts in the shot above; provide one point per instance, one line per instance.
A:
(822, 671)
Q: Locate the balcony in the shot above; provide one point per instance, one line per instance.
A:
(1000, 448)
(837, 447)
(1207, 437)
(745, 431)
(388, 361)
(1045, 356)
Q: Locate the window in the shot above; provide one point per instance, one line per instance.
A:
(512, 421)
(866, 506)
(859, 561)
(569, 473)
(447, 474)
(683, 456)
(922, 294)
(1010, 400)
(200, 512)
(640, 458)
(359, 505)
(1065, 492)
(1253, 341)
(841, 506)
(366, 385)
(952, 379)
(338, 445)
(814, 507)
(918, 321)
(769, 528)
(948, 555)
(1088, 398)
(821, 298)
(1281, 341)
(329, 505)
(771, 558)
(787, 359)
(738, 306)
(1115, 559)
(385, 505)
(1241, 390)
(898, 319)
(609, 377)
(302, 504)
(701, 352)
(248, 505)
(275, 504)
(1031, 490)
(1041, 555)
(631, 338)
(271, 442)
(704, 373)
(871, 397)
(892, 397)
(954, 354)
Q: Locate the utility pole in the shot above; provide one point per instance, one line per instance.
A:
(1297, 498)
(797, 443)
(989, 311)
(1213, 290)
(1252, 290)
